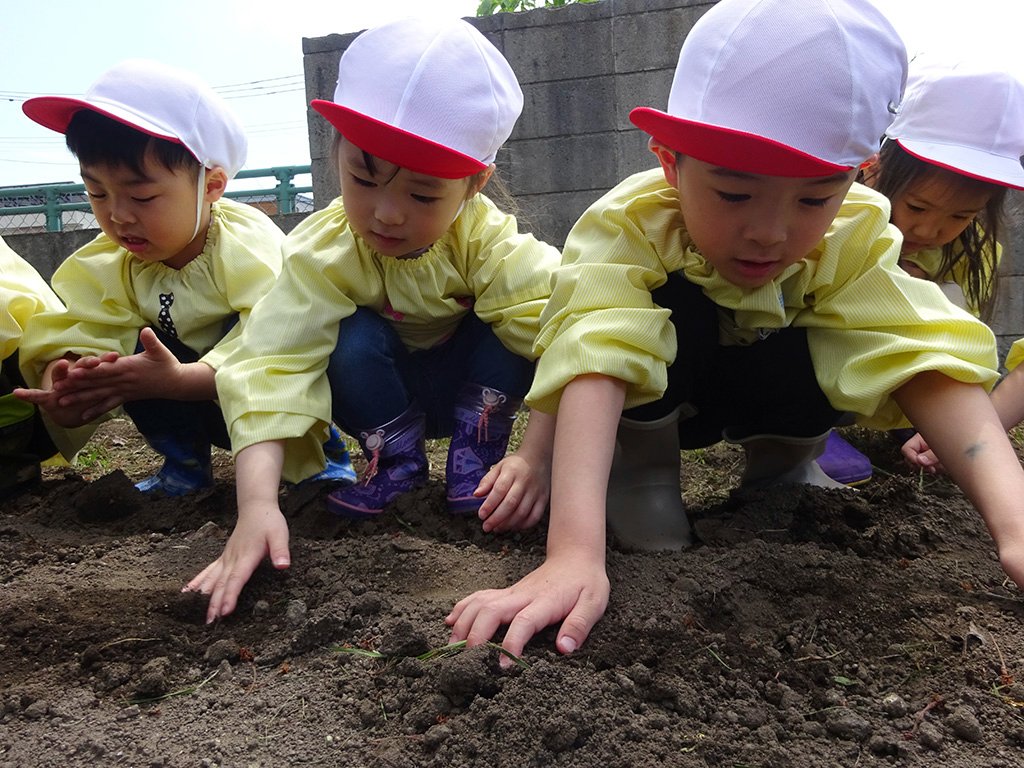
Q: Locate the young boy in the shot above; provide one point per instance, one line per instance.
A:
(24, 441)
(746, 289)
(157, 301)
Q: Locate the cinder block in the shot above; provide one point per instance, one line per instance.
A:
(564, 164)
(640, 89)
(567, 108)
(561, 51)
(652, 40)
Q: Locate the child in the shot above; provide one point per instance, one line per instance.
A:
(407, 308)
(157, 300)
(946, 179)
(24, 441)
(786, 303)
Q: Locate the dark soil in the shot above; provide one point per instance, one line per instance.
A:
(809, 628)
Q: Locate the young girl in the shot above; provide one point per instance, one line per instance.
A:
(953, 150)
(747, 289)
(407, 308)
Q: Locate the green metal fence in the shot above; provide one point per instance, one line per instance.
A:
(59, 207)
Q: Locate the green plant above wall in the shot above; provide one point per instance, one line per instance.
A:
(489, 7)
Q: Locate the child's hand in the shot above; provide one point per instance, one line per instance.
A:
(261, 531)
(517, 492)
(918, 454)
(571, 588)
(52, 400)
(1011, 558)
(106, 382)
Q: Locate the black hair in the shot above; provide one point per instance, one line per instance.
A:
(96, 139)
(498, 191)
(898, 170)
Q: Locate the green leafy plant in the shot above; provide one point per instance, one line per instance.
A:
(490, 7)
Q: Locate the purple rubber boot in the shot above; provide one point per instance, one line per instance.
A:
(396, 462)
(844, 463)
(483, 425)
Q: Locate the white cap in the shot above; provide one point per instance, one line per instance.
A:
(782, 87)
(158, 100)
(965, 116)
(430, 95)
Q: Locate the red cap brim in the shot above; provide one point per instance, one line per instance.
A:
(55, 113)
(728, 148)
(959, 171)
(396, 146)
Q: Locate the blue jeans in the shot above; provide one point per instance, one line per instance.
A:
(187, 422)
(374, 378)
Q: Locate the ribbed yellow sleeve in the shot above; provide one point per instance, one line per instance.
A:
(23, 294)
(275, 388)
(871, 326)
(930, 261)
(1015, 355)
(111, 295)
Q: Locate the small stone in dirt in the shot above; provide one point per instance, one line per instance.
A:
(929, 736)
(129, 713)
(559, 734)
(462, 677)
(295, 613)
(208, 530)
(848, 725)
(402, 638)
(225, 671)
(894, 706)
(221, 650)
(436, 736)
(883, 745)
(408, 544)
(964, 725)
(367, 604)
(90, 657)
(153, 679)
(36, 710)
(260, 609)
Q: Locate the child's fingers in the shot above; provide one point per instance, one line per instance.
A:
(486, 484)
(507, 511)
(497, 496)
(34, 396)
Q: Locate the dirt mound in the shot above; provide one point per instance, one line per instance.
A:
(808, 628)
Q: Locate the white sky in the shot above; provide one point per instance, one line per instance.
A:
(60, 46)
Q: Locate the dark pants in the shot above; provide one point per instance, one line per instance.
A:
(767, 387)
(23, 438)
(374, 378)
(187, 422)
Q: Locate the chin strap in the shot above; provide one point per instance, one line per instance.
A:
(200, 194)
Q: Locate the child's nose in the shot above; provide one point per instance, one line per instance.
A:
(925, 228)
(766, 230)
(387, 212)
(121, 213)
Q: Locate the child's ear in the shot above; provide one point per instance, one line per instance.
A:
(480, 181)
(216, 182)
(669, 160)
(869, 170)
